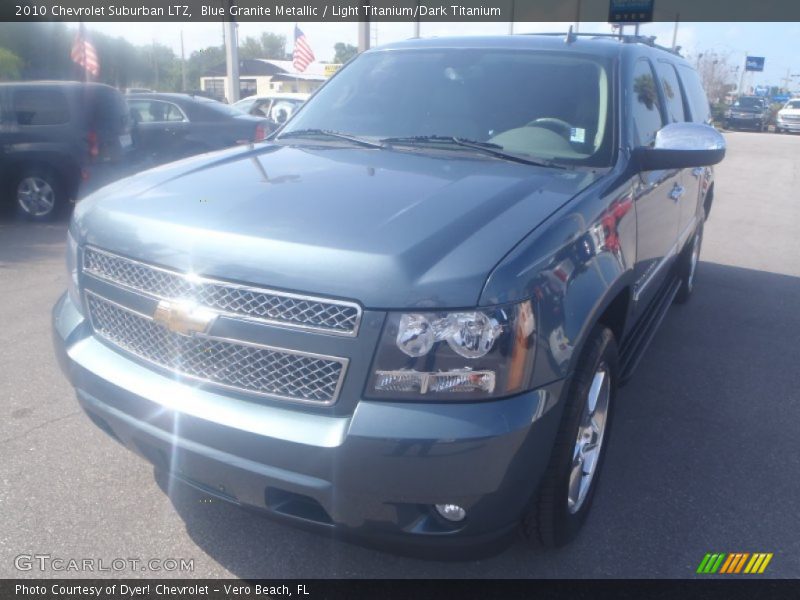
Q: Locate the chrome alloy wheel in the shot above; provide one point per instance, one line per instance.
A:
(35, 196)
(589, 441)
(693, 260)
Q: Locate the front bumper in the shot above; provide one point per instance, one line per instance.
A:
(793, 126)
(744, 122)
(373, 475)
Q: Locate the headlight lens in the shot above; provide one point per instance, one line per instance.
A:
(472, 354)
(72, 272)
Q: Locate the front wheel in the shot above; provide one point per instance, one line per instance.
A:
(567, 489)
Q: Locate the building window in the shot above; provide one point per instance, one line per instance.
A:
(247, 87)
(215, 86)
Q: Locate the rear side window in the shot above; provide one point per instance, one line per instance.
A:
(106, 109)
(646, 113)
(40, 107)
(698, 102)
(672, 92)
(155, 111)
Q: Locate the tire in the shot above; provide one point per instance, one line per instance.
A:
(38, 193)
(565, 494)
(687, 267)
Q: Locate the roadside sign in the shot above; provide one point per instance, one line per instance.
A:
(754, 63)
(331, 69)
(630, 11)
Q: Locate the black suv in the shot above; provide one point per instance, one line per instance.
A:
(748, 112)
(406, 315)
(59, 140)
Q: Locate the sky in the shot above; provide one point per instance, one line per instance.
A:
(775, 41)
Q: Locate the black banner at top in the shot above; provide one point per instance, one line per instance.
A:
(387, 589)
(388, 10)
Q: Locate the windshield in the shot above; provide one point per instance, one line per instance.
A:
(793, 104)
(548, 105)
(749, 103)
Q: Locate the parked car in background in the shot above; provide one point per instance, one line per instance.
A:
(788, 118)
(276, 107)
(405, 317)
(167, 127)
(59, 140)
(748, 112)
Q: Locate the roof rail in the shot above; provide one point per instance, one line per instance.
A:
(570, 36)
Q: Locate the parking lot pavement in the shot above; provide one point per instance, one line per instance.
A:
(703, 456)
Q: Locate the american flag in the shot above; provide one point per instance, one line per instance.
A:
(84, 54)
(303, 54)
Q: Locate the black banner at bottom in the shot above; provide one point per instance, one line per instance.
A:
(406, 589)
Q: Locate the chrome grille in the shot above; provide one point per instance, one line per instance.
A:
(280, 308)
(228, 363)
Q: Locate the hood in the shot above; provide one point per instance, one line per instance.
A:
(387, 228)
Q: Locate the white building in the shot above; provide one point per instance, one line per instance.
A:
(263, 76)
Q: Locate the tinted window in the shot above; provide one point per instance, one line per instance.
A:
(154, 111)
(794, 104)
(40, 107)
(696, 96)
(106, 109)
(546, 104)
(646, 113)
(672, 92)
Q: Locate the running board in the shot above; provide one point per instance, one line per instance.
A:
(635, 346)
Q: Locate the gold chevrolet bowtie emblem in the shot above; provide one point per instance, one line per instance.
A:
(185, 317)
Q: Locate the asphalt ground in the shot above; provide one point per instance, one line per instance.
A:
(703, 457)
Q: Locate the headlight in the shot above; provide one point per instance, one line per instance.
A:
(472, 354)
(72, 272)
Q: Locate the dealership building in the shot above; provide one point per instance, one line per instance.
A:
(261, 76)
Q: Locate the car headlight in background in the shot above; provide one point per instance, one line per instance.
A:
(72, 272)
(468, 354)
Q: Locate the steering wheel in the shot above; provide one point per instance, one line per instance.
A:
(556, 125)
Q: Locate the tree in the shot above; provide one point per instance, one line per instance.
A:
(716, 73)
(10, 65)
(343, 52)
(274, 45)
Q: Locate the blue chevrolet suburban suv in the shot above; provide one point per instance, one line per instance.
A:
(403, 318)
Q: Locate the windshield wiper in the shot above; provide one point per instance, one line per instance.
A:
(486, 147)
(329, 133)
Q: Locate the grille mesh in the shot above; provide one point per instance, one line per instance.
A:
(224, 362)
(237, 300)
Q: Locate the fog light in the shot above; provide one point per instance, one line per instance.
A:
(451, 512)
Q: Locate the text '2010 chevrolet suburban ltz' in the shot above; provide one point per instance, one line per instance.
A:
(404, 317)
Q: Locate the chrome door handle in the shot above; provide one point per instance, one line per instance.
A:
(676, 192)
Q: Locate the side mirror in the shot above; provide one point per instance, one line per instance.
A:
(682, 146)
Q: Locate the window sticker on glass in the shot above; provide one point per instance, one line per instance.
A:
(577, 135)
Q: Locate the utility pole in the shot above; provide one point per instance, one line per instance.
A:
(416, 22)
(675, 31)
(232, 59)
(363, 35)
(511, 22)
(741, 77)
(183, 66)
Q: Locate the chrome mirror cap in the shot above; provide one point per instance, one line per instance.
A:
(689, 136)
